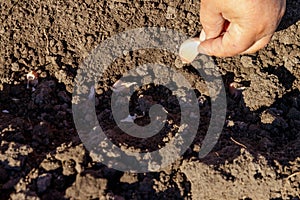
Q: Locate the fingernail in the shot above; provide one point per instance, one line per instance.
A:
(201, 50)
(189, 50)
(202, 36)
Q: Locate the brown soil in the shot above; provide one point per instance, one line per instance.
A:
(42, 157)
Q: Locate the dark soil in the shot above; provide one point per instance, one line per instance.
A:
(42, 156)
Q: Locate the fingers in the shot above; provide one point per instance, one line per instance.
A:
(219, 37)
(231, 45)
(222, 51)
(211, 20)
(238, 27)
(234, 41)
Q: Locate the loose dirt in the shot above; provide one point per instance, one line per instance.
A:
(42, 157)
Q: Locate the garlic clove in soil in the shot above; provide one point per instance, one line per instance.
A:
(129, 118)
(121, 86)
(32, 79)
(235, 90)
(188, 50)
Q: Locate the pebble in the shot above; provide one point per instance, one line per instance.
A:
(43, 182)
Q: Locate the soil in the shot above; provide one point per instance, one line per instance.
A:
(42, 156)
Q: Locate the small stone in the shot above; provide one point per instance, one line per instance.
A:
(178, 63)
(267, 118)
(129, 178)
(43, 182)
(50, 165)
(14, 156)
(15, 67)
(171, 13)
(87, 186)
(247, 61)
(72, 159)
(230, 123)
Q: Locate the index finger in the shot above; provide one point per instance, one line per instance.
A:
(234, 41)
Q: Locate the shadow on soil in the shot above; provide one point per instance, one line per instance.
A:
(278, 140)
(292, 15)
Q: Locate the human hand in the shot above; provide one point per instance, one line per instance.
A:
(232, 27)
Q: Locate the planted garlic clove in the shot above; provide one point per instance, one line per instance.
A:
(188, 50)
(129, 118)
(32, 75)
(32, 78)
(120, 86)
(235, 89)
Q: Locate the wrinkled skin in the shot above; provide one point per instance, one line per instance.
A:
(232, 27)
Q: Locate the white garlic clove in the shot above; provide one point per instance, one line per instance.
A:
(32, 79)
(32, 75)
(235, 89)
(188, 50)
(5, 111)
(129, 119)
(120, 86)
